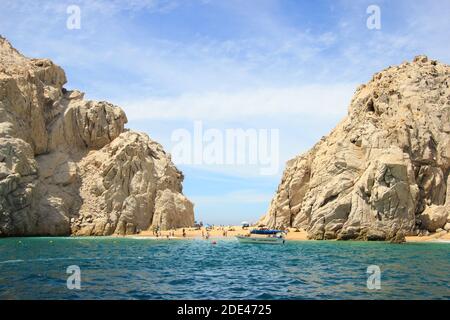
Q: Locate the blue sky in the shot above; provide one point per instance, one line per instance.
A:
(265, 64)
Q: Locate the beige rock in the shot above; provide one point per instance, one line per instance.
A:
(173, 210)
(381, 167)
(120, 183)
(68, 166)
(434, 217)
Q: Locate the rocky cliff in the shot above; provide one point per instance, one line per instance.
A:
(68, 166)
(383, 172)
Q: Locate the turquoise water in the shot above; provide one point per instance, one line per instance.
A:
(112, 268)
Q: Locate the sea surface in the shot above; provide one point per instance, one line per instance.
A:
(129, 268)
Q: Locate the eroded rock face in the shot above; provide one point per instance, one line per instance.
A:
(68, 166)
(384, 170)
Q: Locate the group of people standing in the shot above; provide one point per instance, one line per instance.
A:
(205, 232)
(157, 233)
(205, 235)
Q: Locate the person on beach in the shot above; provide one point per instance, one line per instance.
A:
(184, 233)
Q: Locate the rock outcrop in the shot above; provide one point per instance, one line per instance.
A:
(383, 172)
(68, 165)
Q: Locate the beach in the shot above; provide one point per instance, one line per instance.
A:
(216, 232)
(438, 236)
(232, 231)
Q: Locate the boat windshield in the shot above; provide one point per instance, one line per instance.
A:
(265, 231)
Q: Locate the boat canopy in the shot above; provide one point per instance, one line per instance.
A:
(256, 231)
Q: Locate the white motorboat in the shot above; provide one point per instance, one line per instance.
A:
(263, 236)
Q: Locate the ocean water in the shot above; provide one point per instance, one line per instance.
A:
(128, 268)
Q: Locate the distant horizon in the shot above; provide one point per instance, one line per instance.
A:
(257, 66)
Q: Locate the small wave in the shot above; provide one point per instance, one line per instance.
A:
(151, 238)
(68, 258)
(143, 238)
(442, 241)
(265, 296)
(11, 261)
(45, 260)
(184, 281)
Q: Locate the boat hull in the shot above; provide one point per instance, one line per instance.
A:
(261, 240)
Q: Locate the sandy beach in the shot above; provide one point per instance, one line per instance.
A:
(232, 231)
(439, 237)
(216, 232)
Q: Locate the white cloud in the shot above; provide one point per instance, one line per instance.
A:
(262, 102)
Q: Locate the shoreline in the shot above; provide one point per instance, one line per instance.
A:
(217, 233)
(232, 231)
(214, 233)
